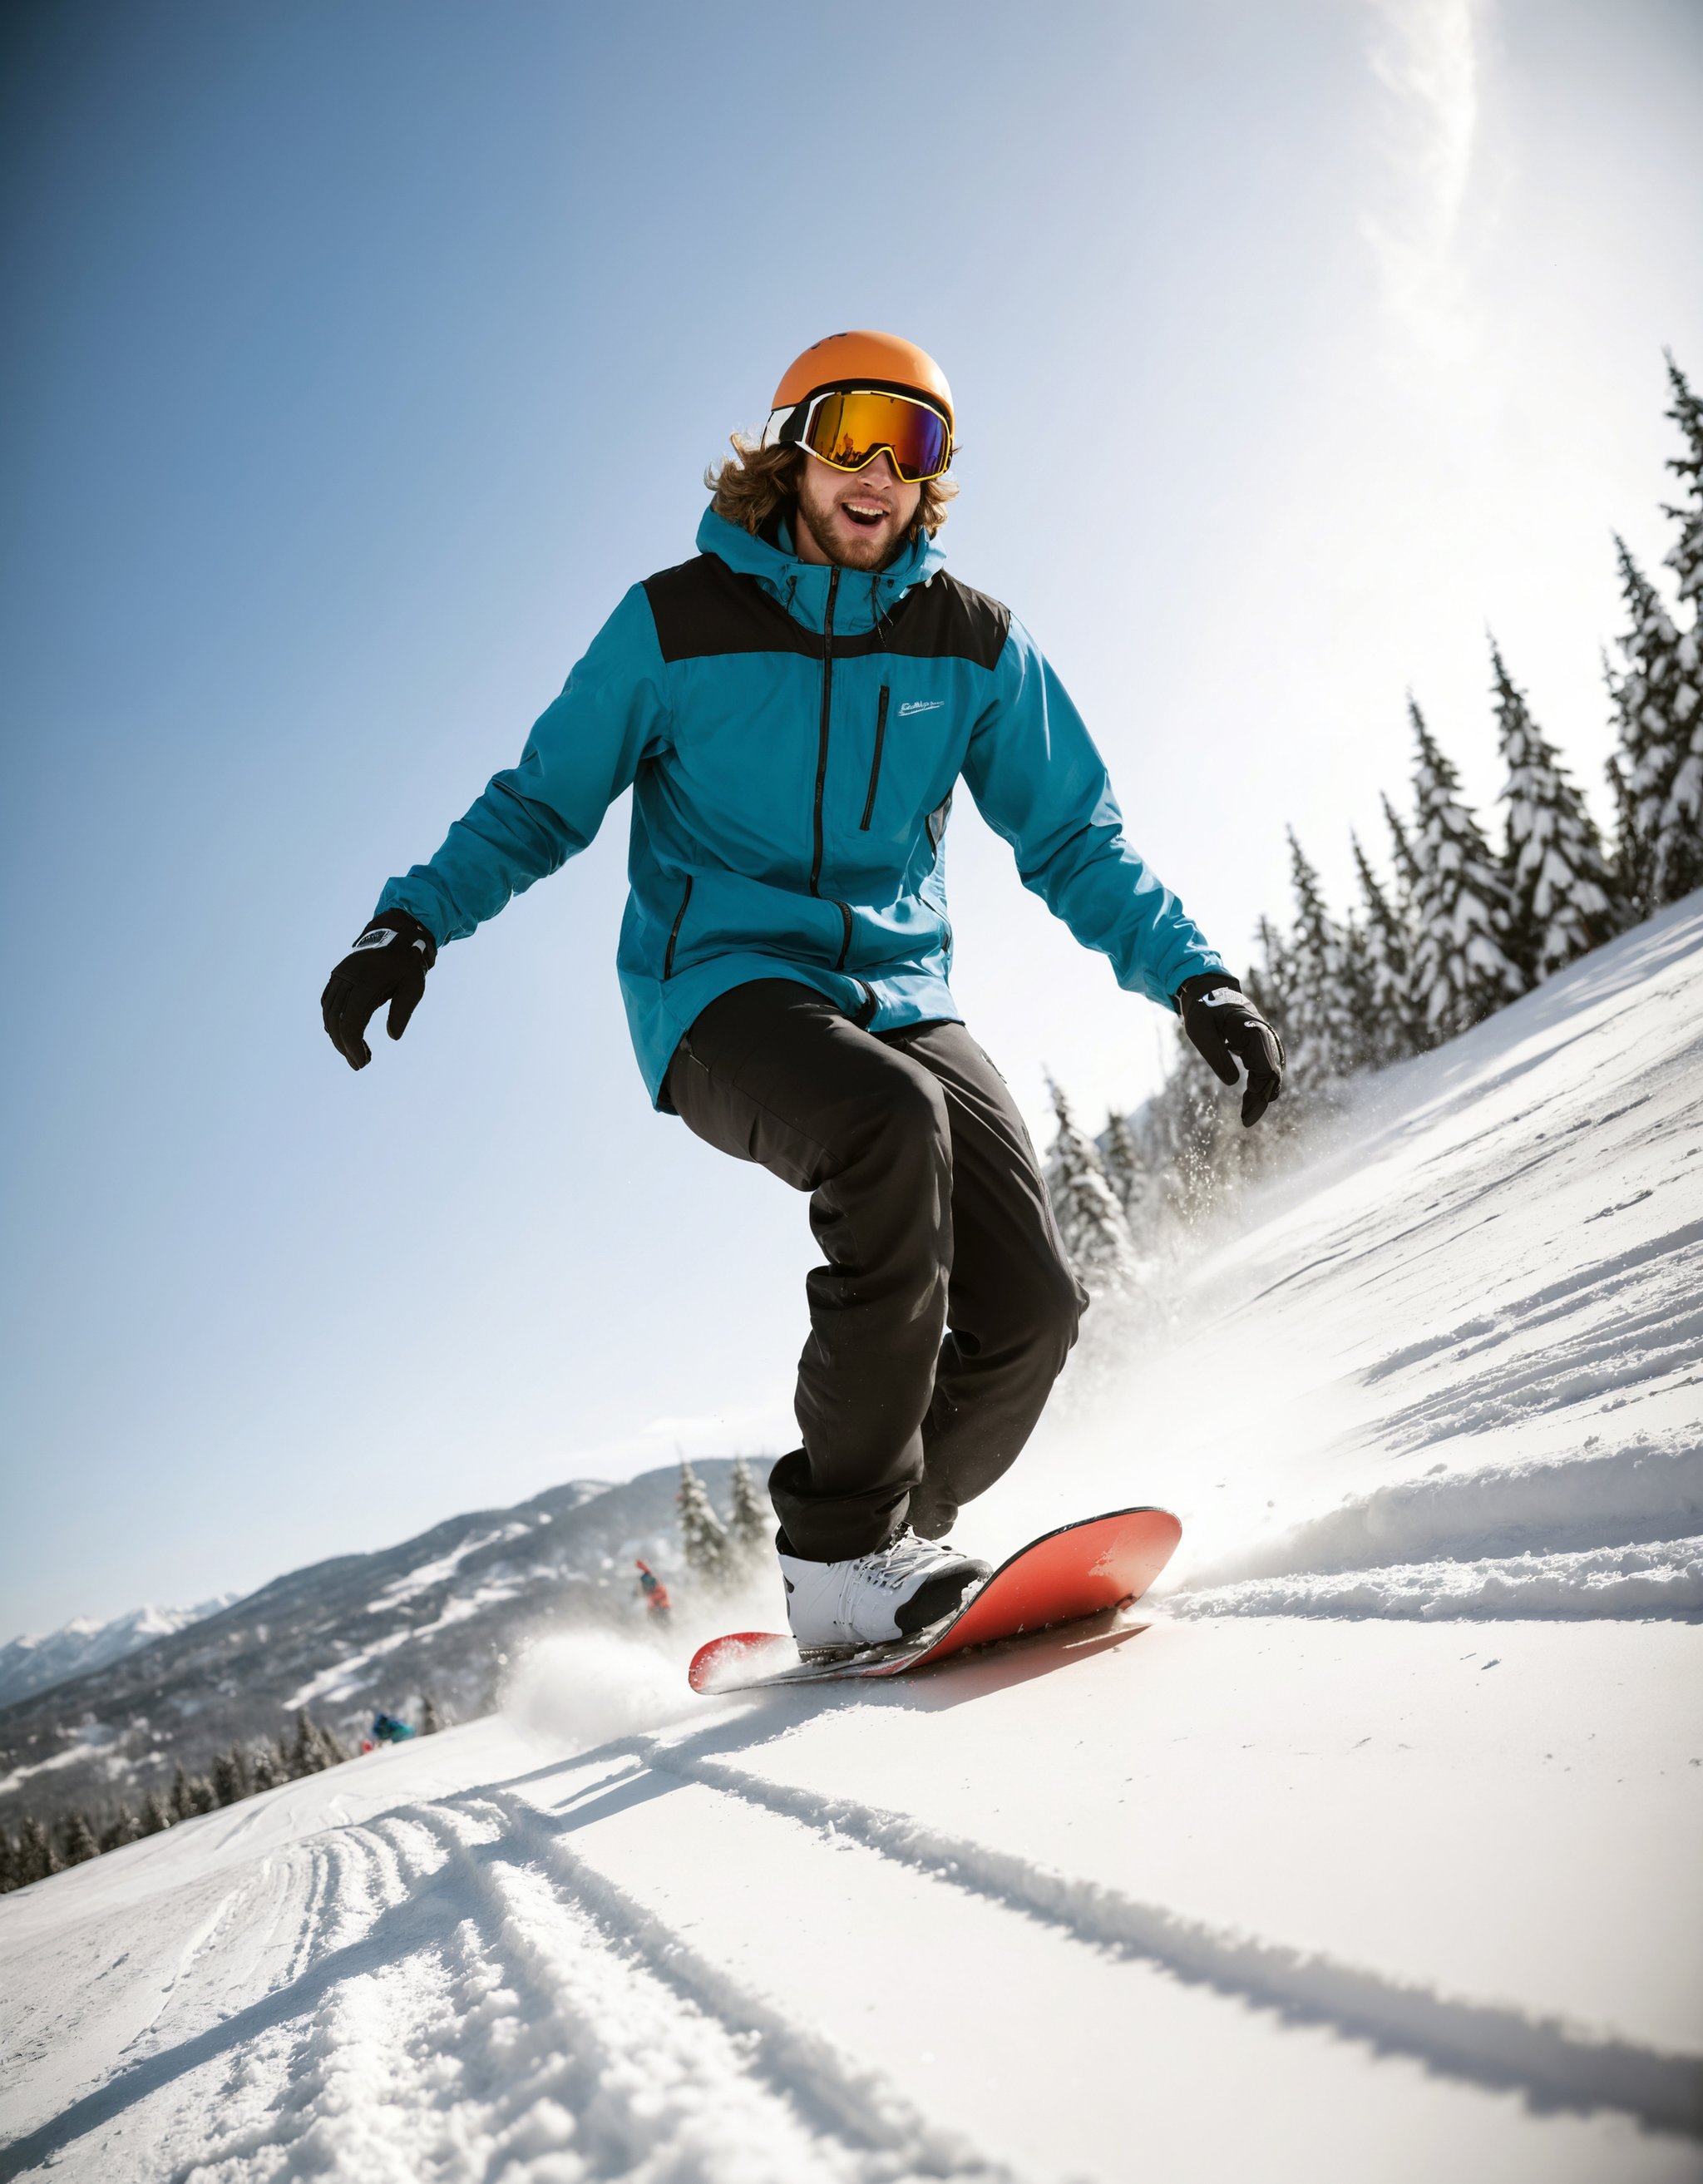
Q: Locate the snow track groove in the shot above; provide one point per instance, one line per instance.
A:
(835, 2093)
(469, 1996)
(1551, 2065)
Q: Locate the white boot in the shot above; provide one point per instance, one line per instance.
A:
(900, 1588)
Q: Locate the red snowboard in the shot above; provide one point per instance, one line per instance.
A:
(1080, 1569)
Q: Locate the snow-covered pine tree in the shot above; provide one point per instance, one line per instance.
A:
(1401, 850)
(1327, 1041)
(751, 1520)
(430, 1721)
(1554, 863)
(230, 1779)
(1360, 982)
(1462, 969)
(306, 1755)
(36, 1855)
(1397, 1027)
(155, 1819)
(78, 1842)
(266, 1769)
(1126, 1171)
(1686, 558)
(9, 1863)
(202, 1797)
(1658, 703)
(1091, 1221)
(1679, 852)
(703, 1536)
(123, 1828)
(179, 1802)
(1271, 983)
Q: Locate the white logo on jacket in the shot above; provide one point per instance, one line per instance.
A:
(921, 705)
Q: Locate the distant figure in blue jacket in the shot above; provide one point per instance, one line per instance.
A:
(386, 1729)
(794, 710)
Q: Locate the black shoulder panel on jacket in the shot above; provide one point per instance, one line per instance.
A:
(945, 620)
(703, 607)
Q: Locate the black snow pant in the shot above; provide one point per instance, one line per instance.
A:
(946, 1308)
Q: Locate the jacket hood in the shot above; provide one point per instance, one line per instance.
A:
(863, 596)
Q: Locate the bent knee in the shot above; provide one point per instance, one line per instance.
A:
(908, 1111)
(1043, 1305)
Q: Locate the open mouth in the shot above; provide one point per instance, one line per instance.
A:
(865, 513)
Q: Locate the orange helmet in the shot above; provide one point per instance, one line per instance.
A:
(864, 360)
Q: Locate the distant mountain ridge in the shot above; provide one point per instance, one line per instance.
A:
(29, 1665)
(444, 1613)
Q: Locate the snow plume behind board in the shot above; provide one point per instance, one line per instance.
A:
(1449, 1365)
(585, 1687)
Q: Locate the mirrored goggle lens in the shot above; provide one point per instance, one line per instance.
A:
(850, 430)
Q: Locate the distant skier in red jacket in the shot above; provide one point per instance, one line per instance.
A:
(655, 1590)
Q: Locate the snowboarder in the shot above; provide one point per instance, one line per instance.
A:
(794, 709)
(656, 1600)
(388, 1730)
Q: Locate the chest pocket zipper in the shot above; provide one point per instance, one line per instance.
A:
(875, 769)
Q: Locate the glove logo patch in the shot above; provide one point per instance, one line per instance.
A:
(381, 936)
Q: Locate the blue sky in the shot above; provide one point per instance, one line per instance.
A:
(357, 359)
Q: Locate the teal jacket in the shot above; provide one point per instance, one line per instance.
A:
(793, 735)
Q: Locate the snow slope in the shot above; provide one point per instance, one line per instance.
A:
(1369, 1850)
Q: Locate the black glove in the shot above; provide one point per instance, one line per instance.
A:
(1227, 1028)
(388, 963)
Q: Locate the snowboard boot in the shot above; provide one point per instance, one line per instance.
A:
(876, 1598)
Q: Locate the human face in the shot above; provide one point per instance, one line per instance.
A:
(854, 522)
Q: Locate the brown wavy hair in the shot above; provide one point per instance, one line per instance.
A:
(756, 483)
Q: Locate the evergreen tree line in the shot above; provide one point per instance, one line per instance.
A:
(1457, 927)
(720, 1555)
(39, 1848)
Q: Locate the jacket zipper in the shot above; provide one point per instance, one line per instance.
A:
(673, 931)
(822, 732)
(875, 770)
(843, 908)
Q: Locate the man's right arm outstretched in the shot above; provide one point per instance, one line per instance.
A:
(583, 752)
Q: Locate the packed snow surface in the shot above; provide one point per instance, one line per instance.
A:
(1369, 1848)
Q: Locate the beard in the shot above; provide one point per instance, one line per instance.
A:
(871, 550)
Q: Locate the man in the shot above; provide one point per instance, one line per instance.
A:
(793, 710)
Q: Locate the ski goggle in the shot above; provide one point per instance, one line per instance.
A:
(848, 427)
